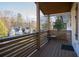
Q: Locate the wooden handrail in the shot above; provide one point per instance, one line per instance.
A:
(18, 36)
(15, 37)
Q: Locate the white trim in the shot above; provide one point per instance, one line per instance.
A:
(60, 14)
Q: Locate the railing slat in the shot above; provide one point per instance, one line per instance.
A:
(20, 51)
(21, 46)
(16, 47)
(11, 45)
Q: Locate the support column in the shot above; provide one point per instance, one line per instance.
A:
(49, 25)
(38, 25)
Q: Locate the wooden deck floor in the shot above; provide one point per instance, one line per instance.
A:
(53, 49)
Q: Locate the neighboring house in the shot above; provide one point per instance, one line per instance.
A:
(27, 30)
(15, 31)
(19, 31)
(12, 32)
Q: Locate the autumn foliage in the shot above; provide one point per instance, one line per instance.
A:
(3, 29)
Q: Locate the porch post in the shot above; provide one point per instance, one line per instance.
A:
(38, 25)
(49, 25)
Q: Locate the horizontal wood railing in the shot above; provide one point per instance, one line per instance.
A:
(22, 45)
(43, 38)
(64, 35)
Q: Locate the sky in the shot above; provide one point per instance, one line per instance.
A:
(27, 9)
(53, 18)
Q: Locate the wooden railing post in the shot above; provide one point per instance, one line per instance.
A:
(38, 25)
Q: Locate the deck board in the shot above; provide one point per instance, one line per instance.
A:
(53, 49)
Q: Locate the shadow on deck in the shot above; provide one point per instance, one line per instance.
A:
(53, 49)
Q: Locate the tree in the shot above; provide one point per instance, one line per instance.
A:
(19, 20)
(44, 26)
(59, 24)
(3, 29)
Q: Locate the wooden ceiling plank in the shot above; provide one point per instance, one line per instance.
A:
(55, 7)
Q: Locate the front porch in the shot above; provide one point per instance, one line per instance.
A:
(26, 46)
(54, 49)
(38, 44)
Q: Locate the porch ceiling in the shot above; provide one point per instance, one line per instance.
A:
(55, 7)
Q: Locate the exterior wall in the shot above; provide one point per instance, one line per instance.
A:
(78, 23)
(75, 42)
(68, 24)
